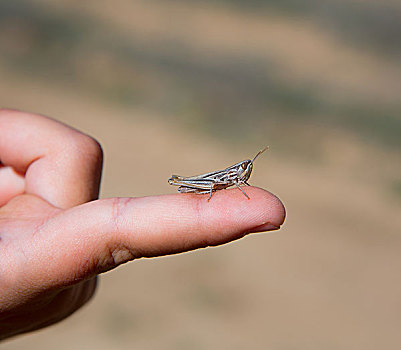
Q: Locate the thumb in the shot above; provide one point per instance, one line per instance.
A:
(100, 235)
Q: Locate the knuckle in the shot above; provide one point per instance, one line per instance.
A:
(113, 255)
(121, 254)
(92, 148)
(117, 248)
(84, 147)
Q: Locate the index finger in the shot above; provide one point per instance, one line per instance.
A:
(99, 236)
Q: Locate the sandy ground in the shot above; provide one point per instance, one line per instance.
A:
(303, 52)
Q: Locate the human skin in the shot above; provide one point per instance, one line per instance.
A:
(56, 236)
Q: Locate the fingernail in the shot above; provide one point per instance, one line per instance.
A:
(265, 227)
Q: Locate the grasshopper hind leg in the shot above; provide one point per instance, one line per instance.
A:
(185, 189)
(239, 187)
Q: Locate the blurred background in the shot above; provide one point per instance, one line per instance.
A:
(174, 86)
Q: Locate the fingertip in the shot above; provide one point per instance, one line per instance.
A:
(261, 208)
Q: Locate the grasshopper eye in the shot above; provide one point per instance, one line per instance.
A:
(243, 166)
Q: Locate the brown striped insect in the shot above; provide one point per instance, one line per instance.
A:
(235, 175)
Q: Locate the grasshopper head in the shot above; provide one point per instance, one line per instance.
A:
(245, 168)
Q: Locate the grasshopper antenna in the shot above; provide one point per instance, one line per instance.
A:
(259, 153)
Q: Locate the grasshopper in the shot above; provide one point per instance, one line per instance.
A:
(237, 174)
